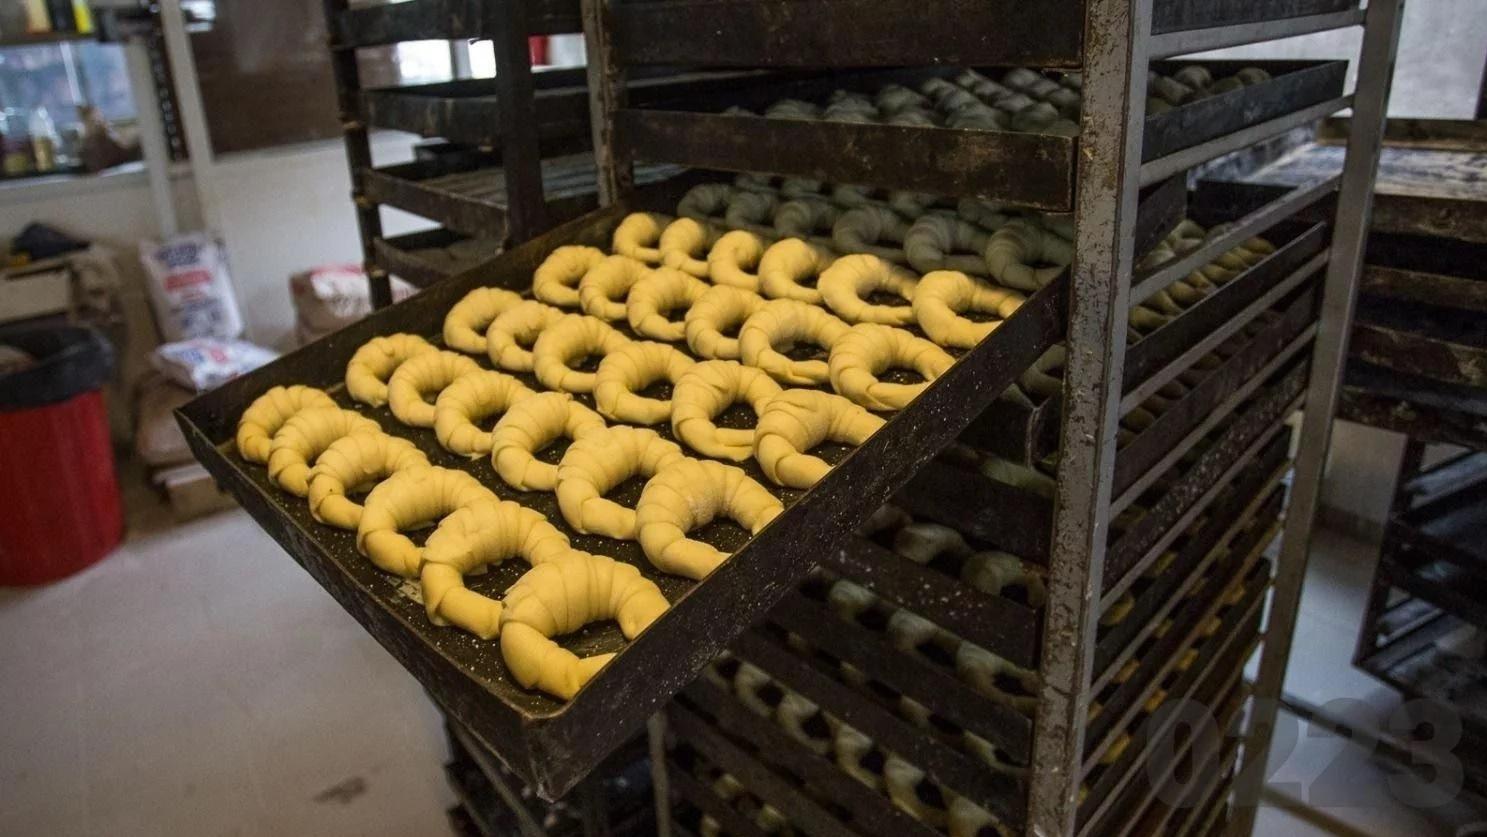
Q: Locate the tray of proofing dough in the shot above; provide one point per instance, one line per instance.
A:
(390, 23)
(1006, 135)
(549, 743)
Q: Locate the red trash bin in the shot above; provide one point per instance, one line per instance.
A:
(59, 496)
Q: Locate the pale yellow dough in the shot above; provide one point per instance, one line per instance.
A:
(419, 380)
(304, 437)
(850, 279)
(788, 263)
(556, 280)
(689, 494)
(865, 229)
(782, 323)
(663, 291)
(637, 236)
(595, 464)
(684, 245)
(731, 259)
(409, 499)
(602, 290)
(467, 320)
(797, 420)
(516, 328)
(941, 242)
(944, 295)
(633, 367)
(570, 339)
(268, 412)
(469, 541)
(1018, 246)
(867, 351)
(902, 779)
(718, 310)
(375, 362)
(705, 391)
(986, 672)
(559, 597)
(531, 425)
(474, 397)
(356, 463)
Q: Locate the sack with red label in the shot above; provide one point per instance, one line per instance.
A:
(190, 287)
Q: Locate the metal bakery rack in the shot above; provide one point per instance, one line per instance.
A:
(1138, 547)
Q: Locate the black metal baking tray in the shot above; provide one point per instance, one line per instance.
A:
(1419, 407)
(423, 258)
(1416, 268)
(422, 20)
(551, 745)
(1418, 338)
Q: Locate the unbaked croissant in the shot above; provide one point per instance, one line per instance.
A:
(304, 437)
(1017, 247)
(470, 540)
(991, 676)
(995, 572)
(625, 372)
(864, 229)
(559, 597)
(804, 721)
(785, 322)
(515, 329)
(408, 499)
(637, 236)
(719, 310)
(568, 340)
(732, 257)
(1040, 380)
(922, 542)
(704, 392)
(751, 211)
(967, 819)
(846, 285)
(867, 351)
(913, 792)
(268, 412)
(356, 463)
(705, 202)
(422, 377)
(474, 397)
(556, 280)
(368, 371)
(465, 324)
(531, 425)
(602, 290)
(858, 756)
(805, 218)
(931, 243)
(756, 690)
(662, 292)
(942, 297)
(684, 245)
(797, 420)
(787, 264)
(689, 494)
(595, 464)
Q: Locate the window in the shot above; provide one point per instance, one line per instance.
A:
(60, 78)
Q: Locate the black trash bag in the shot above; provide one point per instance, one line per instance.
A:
(70, 360)
(40, 241)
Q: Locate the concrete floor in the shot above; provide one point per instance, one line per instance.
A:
(198, 682)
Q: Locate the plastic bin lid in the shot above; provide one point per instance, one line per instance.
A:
(70, 360)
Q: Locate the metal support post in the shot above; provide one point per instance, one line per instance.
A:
(1350, 238)
(1115, 36)
(606, 96)
(520, 156)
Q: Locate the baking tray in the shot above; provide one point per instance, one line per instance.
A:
(549, 744)
(1418, 338)
(1436, 271)
(425, 20)
(423, 258)
(1419, 407)
(1179, 15)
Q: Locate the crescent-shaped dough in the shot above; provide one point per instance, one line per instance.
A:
(858, 756)
(967, 819)
(720, 309)
(688, 494)
(804, 721)
(868, 350)
(943, 296)
(922, 542)
(355, 463)
(797, 420)
(992, 676)
(304, 437)
(995, 572)
(422, 377)
(1020, 244)
(913, 792)
(268, 412)
(705, 391)
(474, 397)
(595, 464)
(850, 279)
(556, 280)
(368, 371)
(602, 290)
(572, 338)
(408, 499)
(752, 211)
(625, 372)
(731, 259)
(470, 540)
(786, 264)
(560, 596)
(663, 291)
(934, 240)
(516, 328)
(806, 218)
(465, 324)
(862, 230)
(684, 245)
(1039, 379)
(531, 425)
(784, 322)
(705, 202)
(637, 236)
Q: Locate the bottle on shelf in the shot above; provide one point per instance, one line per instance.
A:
(44, 140)
(38, 20)
(15, 144)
